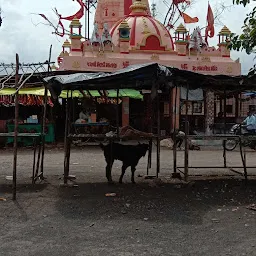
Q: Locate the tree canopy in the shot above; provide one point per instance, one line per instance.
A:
(247, 40)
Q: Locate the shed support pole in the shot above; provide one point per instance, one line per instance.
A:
(15, 141)
(225, 128)
(158, 134)
(44, 116)
(117, 112)
(243, 158)
(174, 135)
(67, 142)
(186, 138)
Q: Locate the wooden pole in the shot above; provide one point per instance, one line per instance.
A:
(66, 142)
(85, 19)
(151, 131)
(186, 137)
(88, 18)
(15, 141)
(149, 156)
(44, 115)
(225, 127)
(245, 167)
(38, 159)
(158, 133)
(117, 113)
(243, 158)
(174, 134)
(34, 160)
(149, 105)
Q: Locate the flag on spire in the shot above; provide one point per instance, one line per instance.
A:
(188, 19)
(79, 14)
(209, 31)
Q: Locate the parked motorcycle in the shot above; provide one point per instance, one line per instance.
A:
(239, 129)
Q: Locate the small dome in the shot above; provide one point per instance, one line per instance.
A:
(138, 6)
(63, 54)
(124, 24)
(75, 23)
(146, 33)
(181, 29)
(225, 31)
(66, 44)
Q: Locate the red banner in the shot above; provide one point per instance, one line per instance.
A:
(209, 31)
(78, 14)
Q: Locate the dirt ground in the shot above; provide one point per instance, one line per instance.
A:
(207, 216)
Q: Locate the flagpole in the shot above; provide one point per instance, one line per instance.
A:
(189, 52)
(206, 26)
(88, 19)
(85, 19)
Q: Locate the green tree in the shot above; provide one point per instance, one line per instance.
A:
(244, 2)
(247, 40)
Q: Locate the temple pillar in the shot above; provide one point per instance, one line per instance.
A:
(175, 108)
(209, 114)
(125, 111)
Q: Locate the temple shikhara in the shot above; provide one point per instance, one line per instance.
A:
(126, 33)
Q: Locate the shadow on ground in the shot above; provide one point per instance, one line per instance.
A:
(184, 204)
(23, 188)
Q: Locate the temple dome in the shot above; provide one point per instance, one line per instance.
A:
(146, 33)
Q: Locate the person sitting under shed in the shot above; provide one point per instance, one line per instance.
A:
(84, 117)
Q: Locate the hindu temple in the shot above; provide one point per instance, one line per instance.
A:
(125, 33)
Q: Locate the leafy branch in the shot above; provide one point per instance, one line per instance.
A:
(247, 40)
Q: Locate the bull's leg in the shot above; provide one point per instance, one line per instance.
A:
(108, 171)
(124, 167)
(133, 169)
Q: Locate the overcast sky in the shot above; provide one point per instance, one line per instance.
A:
(21, 33)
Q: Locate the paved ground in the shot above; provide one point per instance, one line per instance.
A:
(153, 217)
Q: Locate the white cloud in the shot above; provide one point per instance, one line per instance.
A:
(19, 33)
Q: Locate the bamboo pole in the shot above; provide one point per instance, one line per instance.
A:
(151, 131)
(44, 115)
(158, 133)
(245, 167)
(225, 127)
(117, 113)
(15, 141)
(66, 143)
(34, 160)
(150, 141)
(174, 150)
(243, 158)
(186, 137)
(88, 18)
(85, 19)
(149, 156)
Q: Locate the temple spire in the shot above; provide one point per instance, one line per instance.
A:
(111, 11)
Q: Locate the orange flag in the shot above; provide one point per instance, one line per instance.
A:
(209, 31)
(188, 19)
